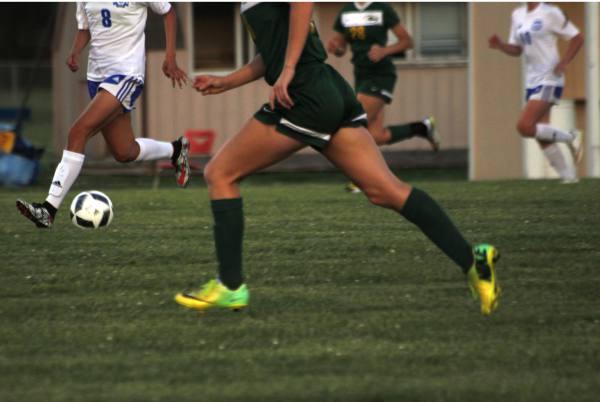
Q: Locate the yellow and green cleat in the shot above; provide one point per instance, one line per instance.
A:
(482, 277)
(215, 295)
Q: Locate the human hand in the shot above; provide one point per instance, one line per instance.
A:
(494, 42)
(560, 68)
(173, 72)
(73, 62)
(279, 92)
(210, 84)
(376, 53)
(334, 47)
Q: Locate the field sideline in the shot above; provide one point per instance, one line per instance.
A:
(348, 303)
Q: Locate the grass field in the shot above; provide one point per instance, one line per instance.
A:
(349, 302)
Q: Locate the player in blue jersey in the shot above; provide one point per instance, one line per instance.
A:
(533, 33)
(115, 73)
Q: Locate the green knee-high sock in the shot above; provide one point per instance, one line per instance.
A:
(402, 132)
(423, 211)
(229, 233)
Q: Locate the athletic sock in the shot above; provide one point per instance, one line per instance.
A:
(50, 208)
(547, 133)
(176, 151)
(229, 232)
(423, 211)
(64, 176)
(558, 162)
(405, 131)
(151, 150)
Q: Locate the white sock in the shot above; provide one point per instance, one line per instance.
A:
(64, 176)
(558, 162)
(547, 133)
(151, 150)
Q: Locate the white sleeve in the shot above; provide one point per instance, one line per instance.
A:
(513, 38)
(82, 21)
(159, 7)
(562, 26)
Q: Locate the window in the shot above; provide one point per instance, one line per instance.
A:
(220, 43)
(439, 31)
(442, 29)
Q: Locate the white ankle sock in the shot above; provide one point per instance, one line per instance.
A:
(151, 150)
(558, 162)
(547, 133)
(64, 176)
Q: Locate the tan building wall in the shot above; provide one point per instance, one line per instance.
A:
(495, 97)
(165, 113)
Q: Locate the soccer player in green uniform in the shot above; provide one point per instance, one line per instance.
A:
(310, 104)
(365, 27)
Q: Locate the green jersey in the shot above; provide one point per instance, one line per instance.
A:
(268, 24)
(364, 27)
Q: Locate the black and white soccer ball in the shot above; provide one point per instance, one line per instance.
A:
(91, 210)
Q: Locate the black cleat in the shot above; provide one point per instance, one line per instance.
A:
(36, 213)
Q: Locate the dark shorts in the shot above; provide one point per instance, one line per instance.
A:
(375, 84)
(323, 104)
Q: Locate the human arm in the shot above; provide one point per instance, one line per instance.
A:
(300, 15)
(405, 42)
(575, 45)
(169, 66)
(564, 28)
(211, 85)
(507, 48)
(337, 45)
(82, 38)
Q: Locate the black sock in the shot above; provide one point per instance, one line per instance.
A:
(176, 151)
(402, 132)
(229, 232)
(50, 208)
(423, 211)
(419, 128)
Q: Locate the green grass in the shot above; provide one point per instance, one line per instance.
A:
(349, 302)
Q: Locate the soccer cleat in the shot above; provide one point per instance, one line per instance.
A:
(570, 180)
(432, 136)
(215, 295)
(182, 164)
(576, 146)
(36, 213)
(353, 188)
(482, 277)
(569, 175)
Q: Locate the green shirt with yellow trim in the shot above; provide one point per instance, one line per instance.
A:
(364, 27)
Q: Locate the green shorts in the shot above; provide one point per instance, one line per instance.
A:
(323, 104)
(375, 84)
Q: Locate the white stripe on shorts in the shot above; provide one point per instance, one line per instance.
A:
(306, 131)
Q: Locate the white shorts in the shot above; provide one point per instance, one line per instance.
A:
(546, 93)
(125, 89)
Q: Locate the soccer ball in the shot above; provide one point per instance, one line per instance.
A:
(91, 210)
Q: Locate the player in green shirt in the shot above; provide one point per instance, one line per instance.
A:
(365, 26)
(310, 104)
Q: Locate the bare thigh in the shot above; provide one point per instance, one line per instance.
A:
(103, 108)
(374, 107)
(120, 138)
(533, 112)
(255, 147)
(355, 153)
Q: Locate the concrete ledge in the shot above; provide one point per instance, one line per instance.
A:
(304, 162)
